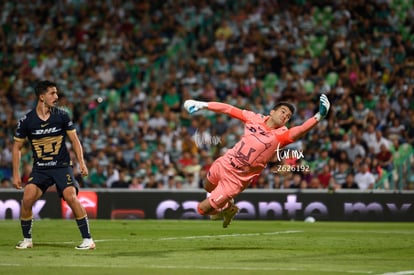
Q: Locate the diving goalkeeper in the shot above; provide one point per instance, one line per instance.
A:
(231, 173)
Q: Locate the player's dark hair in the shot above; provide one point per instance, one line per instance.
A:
(286, 104)
(42, 86)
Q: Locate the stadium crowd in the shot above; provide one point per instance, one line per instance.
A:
(124, 68)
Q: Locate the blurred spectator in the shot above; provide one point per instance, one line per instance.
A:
(385, 160)
(122, 181)
(349, 182)
(294, 182)
(119, 160)
(409, 133)
(6, 183)
(314, 183)
(151, 181)
(395, 129)
(322, 159)
(360, 114)
(341, 173)
(105, 74)
(378, 141)
(376, 169)
(172, 99)
(344, 116)
(364, 178)
(354, 150)
(174, 182)
(97, 177)
(324, 176)
(136, 183)
(113, 175)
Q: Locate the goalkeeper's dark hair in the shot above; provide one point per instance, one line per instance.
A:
(42, 86)
(286, 104)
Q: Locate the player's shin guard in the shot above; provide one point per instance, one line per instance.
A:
(27, 228)
(83, 225)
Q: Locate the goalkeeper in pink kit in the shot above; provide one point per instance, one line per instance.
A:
(231, 173)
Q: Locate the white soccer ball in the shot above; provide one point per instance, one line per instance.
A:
(310, 219)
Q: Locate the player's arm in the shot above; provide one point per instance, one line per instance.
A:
(193, 106)
(77, 148)
(16, 157)
(297, 132)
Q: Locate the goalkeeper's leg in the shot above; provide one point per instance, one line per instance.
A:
(214, 214)
(219, 205)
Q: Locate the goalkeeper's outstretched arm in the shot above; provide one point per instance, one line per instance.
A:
(193, 106)
(294, 133)
(298, 131)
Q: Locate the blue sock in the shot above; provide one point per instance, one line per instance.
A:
(83, 225)
(27, 228)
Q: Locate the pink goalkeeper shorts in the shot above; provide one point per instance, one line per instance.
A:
(229, 180)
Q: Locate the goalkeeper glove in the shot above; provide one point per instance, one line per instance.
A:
(324, 106)
(193, 106)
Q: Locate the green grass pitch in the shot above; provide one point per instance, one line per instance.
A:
(204, 247)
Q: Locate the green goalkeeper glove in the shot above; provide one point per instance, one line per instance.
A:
(324, 106)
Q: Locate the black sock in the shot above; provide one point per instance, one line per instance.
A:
(27, 228)
(83, 225)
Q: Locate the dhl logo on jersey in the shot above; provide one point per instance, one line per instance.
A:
(46, 131)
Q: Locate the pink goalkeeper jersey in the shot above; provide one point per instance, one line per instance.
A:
(258, 144)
